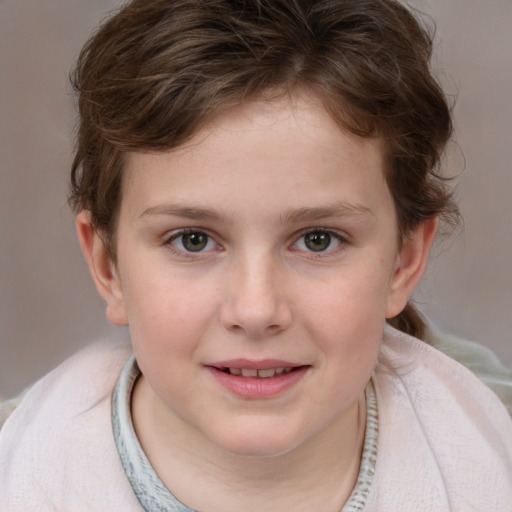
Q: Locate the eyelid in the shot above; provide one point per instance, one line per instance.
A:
(342, 239)
(176, 234)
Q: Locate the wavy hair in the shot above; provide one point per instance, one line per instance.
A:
(156, 72)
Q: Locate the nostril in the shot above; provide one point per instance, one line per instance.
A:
(254, 332)
(255, 319)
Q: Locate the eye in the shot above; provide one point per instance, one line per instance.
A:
(318, 240)
(192, 241)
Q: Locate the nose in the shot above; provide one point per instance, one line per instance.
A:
(255, 298)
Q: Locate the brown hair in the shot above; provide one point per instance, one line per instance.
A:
(157, 71)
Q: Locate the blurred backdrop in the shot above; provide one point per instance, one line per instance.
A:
(48, 305)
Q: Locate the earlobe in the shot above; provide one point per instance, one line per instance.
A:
(102, 268)
(411, 264)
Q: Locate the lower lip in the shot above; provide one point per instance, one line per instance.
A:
(258, 388)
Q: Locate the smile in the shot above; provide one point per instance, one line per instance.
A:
(255, 373)
(258, 380)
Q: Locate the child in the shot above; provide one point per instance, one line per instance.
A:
(256, 192)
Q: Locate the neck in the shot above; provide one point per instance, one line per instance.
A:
(323, 470)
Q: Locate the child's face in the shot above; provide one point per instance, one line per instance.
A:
(269, 241)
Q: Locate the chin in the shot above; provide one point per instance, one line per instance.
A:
(261, 450)
(258, 440)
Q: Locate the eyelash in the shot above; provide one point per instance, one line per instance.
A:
(342, 242)
(189, 231)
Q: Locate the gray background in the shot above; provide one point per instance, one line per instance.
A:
(48, 306)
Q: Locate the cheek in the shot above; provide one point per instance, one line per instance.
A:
(167, 312)
(167, 323)
(352, 300)
(347, 319)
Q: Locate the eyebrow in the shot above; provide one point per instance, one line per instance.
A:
(185, 212)
(292, 215)
(324, 212)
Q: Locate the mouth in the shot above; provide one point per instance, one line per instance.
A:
(258, 380)
(256, 373)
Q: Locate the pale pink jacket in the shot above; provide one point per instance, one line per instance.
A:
(444, 445)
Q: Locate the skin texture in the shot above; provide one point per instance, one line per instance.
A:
(258, 184)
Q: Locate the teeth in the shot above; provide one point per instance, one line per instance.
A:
(249, 372)
(262, 374)
(265, 374)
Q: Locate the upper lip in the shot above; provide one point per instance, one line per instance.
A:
(262, 364)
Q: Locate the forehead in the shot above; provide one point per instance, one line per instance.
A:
(290, 147)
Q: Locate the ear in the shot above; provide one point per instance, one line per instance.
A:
(102, 268)
(411, 264)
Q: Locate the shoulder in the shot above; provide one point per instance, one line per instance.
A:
(57, 446)
(443, 373)
(443, 435)
(7, 407)
(79, 381)
(482, 361)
